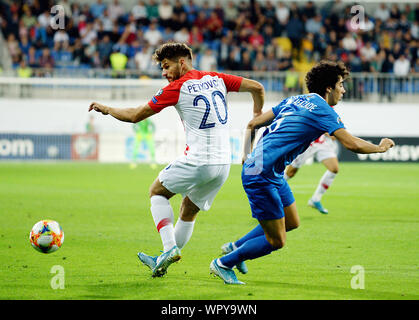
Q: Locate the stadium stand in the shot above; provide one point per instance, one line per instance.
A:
(117, 40)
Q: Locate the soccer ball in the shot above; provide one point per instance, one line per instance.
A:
(46, 236)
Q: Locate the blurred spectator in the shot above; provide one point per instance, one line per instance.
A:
(285, 62)
(118, 62)
(115, 10)
(191, 10)
(97, 9)
(260, 62)
(46, 60)
(395, 11)
(349, 42)
(271, 61)
(24, 71)
(246, 62)
(282, 14)
(27, 18)
(208, 62)
(308, 11)
(414, 29)
(143, 58)
(182, 35)
(153, 35)
(230, 15)
(233, 61)
(295, 30)
(61, 36)
(291, 80)
(32, 58)
(44, 19)
(382, 13)
(139, 11)
(214, 26)
(152, 10)
(13, 46)
(314, 24)
(165, 13)
(256, 39)
(401, 66)
(88, 34)
(196, 38)
(167, 34)
(368, 52)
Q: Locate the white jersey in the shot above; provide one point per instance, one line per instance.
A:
(200, 98)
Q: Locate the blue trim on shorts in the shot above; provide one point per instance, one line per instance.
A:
(267, 202)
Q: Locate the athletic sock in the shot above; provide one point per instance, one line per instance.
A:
(183, 232)
(256, 232)
(251, 249)
(324, 184)
(163, 217)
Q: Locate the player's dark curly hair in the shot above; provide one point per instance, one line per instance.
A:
(325, 74)
(172, 51)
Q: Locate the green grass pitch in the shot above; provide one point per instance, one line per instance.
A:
(373, 222)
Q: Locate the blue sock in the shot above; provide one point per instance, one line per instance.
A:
(251, 249)
(256, 232)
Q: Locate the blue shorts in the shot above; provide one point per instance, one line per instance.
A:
(267, 202)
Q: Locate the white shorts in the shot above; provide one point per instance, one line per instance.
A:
(319, 151)
(199, 183)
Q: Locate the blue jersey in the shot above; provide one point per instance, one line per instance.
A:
(299, 120)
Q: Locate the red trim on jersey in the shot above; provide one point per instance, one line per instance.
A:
(163, 223)
(169, 95)
(186, 150)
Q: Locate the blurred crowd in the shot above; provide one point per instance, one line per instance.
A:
(233, 35)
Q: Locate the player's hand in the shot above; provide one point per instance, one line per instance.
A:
(99, 108)
(386, 144)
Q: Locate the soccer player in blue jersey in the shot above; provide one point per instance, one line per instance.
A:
(291, 127)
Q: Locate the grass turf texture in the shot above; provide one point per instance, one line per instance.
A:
(104, 211)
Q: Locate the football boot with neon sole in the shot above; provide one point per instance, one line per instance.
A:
(226, 274)
(148, 261)
(165, 260)
(317, 205)
(227, 248)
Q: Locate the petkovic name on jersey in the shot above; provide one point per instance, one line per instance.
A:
(203, 85)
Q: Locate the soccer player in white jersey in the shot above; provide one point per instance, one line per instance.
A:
(324, 150)
(200, 99)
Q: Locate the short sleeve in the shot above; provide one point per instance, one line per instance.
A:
(166, 97)
(231, 82)
(332, 121)
(279, 108)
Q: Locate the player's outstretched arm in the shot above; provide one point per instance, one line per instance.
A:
(359, 145)
(124, 114)
(257, 91)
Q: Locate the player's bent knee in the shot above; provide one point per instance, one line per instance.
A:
(334, 170)
(277, 243)
(294, 225)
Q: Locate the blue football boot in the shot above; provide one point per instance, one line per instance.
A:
(226, 274)
(317, 205)
(165, 260)
(148, 261)
(227, 248)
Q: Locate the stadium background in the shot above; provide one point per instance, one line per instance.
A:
(49, 77)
